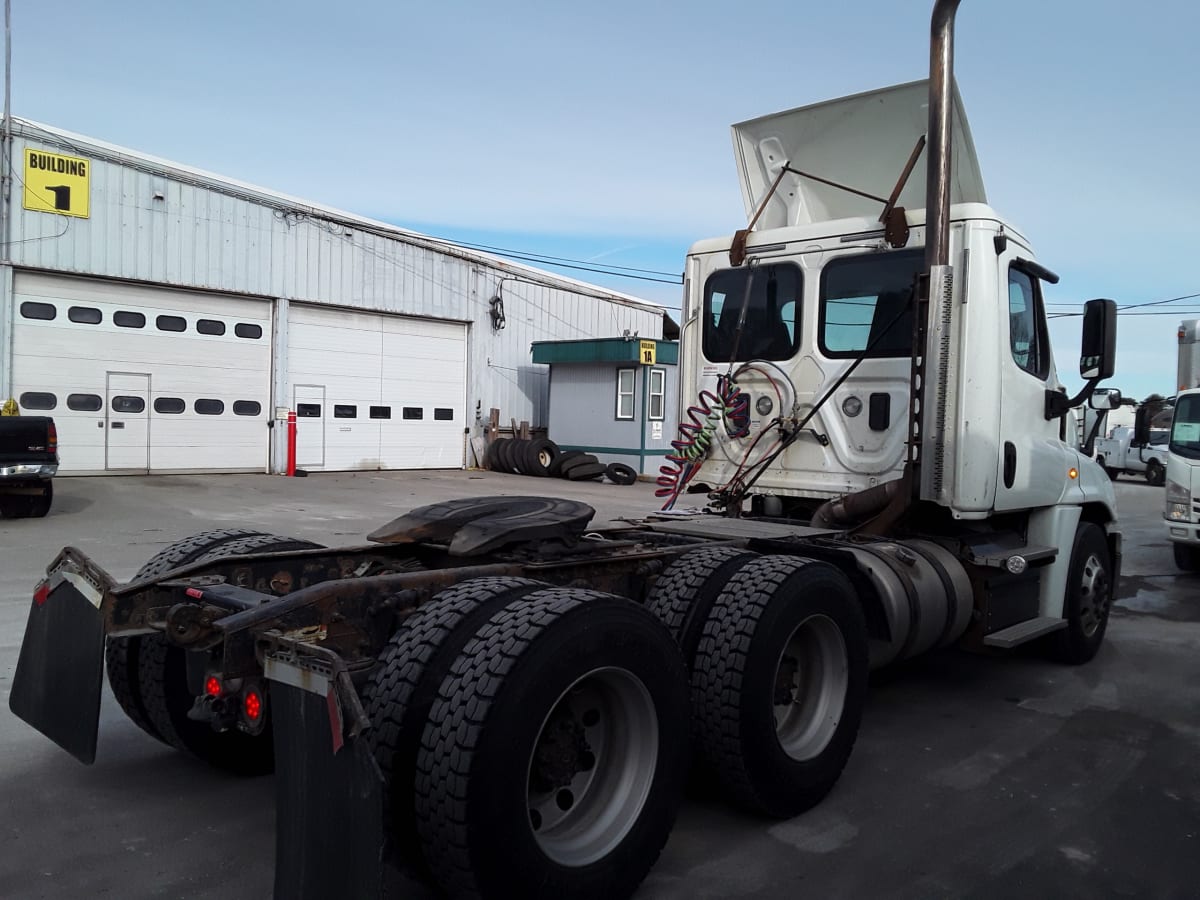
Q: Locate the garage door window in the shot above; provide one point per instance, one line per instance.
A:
(84, 402)
(45, 311)
(171, 323)
(38, 400)
(381, 412)
(246, 407)
(247, 330)
(85, 315)
(209, 407)
(443, 415)
(169, 406)
(345, 411)
(210, 326)
(125, 404)
(308, 410)
(414, 412)
(125, 319)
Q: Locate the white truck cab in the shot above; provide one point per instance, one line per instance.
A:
(1181, 512)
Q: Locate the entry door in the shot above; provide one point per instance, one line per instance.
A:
(127, 421)
(309, 403)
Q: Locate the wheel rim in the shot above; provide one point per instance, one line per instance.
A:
(545, 457)
(811, 681)
(592, 766)
(1093, 595)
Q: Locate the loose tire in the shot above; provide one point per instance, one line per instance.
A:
(574, 462)
(493, 454)
(684, 594)
(564, 456)
(779, 683)
(122, 654)
(507, 454)
(404, 685)
(554, 758)
(619, 473)
(538, 456)
(1187, 559)
(1155, 473)
(1088, 597)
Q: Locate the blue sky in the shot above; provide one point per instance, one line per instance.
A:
(601, 131)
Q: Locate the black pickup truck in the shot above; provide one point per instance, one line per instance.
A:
(28, 461)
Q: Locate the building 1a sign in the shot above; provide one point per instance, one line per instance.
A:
(646, 352)
(57, 184)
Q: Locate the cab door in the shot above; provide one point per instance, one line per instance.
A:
(1031, 464)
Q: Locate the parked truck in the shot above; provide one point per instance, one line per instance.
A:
(28, 464)
(495, 692)
(1125, 452)
(1182, 502)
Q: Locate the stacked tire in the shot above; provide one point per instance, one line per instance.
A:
(541, 457)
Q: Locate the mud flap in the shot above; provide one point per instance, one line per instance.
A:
(56, 687)
(329, 802)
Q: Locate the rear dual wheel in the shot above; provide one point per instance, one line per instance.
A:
(777, 647)
(552, 744)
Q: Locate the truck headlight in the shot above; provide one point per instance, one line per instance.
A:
(1177, 500)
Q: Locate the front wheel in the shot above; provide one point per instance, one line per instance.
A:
(1187, 559)
(1155, 473)
(1088, 598)
(554, 758)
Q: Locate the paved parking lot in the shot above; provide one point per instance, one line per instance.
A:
(973, 776)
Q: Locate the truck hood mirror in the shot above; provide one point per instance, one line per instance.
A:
(1105, 399)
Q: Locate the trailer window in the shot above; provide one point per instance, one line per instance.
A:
(866, 301)
(625, 380)
(1026, 325)
(771, 295)
(658, 394)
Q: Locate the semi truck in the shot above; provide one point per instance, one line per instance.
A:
(496, 694)
(1181, 512)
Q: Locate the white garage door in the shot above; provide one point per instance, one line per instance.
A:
(375, 391)
(144, 379)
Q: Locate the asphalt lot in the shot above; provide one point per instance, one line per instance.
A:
(973, 776)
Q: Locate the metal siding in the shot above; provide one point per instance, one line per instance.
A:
(201, 237)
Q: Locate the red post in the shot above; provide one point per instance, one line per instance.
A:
(291, 441)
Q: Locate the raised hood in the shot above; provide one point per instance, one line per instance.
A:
(862, 142)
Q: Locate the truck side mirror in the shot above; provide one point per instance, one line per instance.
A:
(1105, 399)
(1098, 354)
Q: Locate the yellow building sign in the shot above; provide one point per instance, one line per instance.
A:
(57, 184)
(646, 352)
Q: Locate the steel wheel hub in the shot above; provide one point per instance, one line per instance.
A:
(811, 681)
(1093, 595)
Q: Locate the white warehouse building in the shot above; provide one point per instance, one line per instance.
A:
(166, 318)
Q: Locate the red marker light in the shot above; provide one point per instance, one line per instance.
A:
(195, 593)
(41, 592)
(252, 704)
(212, 686)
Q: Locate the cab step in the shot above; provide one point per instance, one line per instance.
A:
(1023, 632)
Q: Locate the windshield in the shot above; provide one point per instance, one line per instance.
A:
(1185, 429)
(769, 328)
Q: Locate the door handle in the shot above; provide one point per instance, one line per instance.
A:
(118, 425)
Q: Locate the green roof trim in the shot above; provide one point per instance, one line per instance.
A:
(603, 350)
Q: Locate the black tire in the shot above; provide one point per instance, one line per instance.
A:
(684, 594)
(121, 654)
(490, 766)
(40, 505)
(493, 454)
(516, 453)
(1155, 473)
(780, 617)
(619, 473)
(1187, 559)
(14, 507)
(507, 454)
(583, 459)
(1113, 474)
(539, 455)
(585, 472)
(564, 456)
(1088, 597)
(166, 697)
(404, 685)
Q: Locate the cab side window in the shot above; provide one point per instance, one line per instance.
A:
(1027, 333)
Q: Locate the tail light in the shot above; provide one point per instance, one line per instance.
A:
(212, 686)
(52, 439)
(41, 592)
(253, 708)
